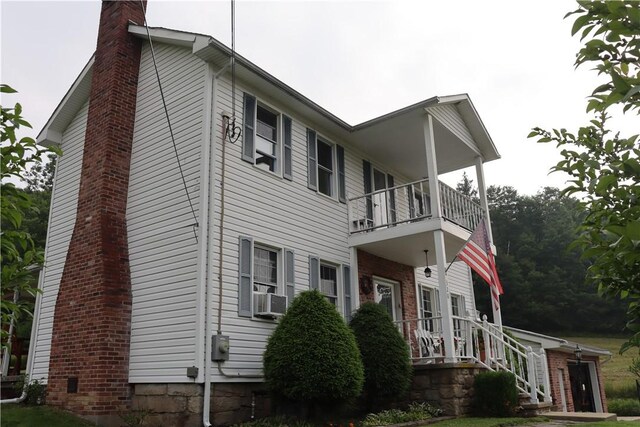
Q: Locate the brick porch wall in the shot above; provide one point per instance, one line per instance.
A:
(92, 320)
(371, 265)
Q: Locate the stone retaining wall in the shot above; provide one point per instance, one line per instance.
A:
(446, 385)
(180, 405)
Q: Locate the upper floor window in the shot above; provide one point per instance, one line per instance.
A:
(325, 167)
(266, 140)
(267, 147)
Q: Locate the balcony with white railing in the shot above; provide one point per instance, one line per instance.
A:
(483, 343)
(409, 203)
(395, 222)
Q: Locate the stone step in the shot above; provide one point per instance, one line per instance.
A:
(581, 416)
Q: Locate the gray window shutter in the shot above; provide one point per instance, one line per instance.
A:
(346, 271)
(312, 162)
(366, 174)
(314, 272)
(288, 165)
(248, 144)
(245, 279)
(392, 197)
(289, 275)
(342, 183)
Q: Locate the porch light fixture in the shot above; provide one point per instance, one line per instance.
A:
(578, 353)
(427, 271)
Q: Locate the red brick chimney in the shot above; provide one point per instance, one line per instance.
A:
(88, 371)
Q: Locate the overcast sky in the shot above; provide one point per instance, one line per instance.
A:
(357, 59)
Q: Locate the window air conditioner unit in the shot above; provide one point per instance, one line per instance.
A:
(269, 305)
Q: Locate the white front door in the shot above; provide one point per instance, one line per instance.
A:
(385, 295)
(379, 199)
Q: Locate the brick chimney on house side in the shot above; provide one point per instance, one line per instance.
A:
(88, 369)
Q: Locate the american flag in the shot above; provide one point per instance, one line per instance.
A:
(477, 254)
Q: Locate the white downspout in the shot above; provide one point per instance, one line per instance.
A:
(206, 404)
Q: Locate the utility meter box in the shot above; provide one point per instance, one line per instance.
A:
(219, 348)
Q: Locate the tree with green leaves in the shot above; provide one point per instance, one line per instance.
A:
(604, 166)
(19, 254)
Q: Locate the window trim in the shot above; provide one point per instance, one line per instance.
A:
(339, 267)
(321, 139)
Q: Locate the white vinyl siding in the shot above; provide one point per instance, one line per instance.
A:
(64, 203)
(459, 280)
(449, 116)
(303, 221)
(163, 251)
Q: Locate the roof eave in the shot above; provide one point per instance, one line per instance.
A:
(76, 96)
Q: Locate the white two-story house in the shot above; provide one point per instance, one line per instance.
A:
(259, 201)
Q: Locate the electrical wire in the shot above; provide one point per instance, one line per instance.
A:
(232, 132)
(166, 112)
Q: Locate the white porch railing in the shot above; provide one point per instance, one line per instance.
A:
(409, 203)
(480, 342)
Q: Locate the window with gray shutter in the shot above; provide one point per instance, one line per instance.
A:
(289, 276)
(287, 173)
(248, 143)
(342, 184)
(346, 272)
(245, 263)
(314, 272)
(312, 161)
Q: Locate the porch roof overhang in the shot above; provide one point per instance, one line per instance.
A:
(406, 244)
(556, 344)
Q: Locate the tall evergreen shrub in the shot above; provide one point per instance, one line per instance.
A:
(312, 356)
(385, 354)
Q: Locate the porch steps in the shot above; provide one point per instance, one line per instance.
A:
(581, 416)
(533, 409)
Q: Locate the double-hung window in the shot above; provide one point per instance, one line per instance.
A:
(267, 138)
(429, 309)
(329, 282)
(266, 273)
(326, 175)
(333, 281)
(325, 167)
(267, 148)
(265, 270)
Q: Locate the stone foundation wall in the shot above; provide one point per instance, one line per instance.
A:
(446, 385)
(180, 405)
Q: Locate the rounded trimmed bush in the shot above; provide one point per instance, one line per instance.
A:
(385, 354)
(312, 355)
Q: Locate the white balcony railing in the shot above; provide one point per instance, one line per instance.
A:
(409, 203)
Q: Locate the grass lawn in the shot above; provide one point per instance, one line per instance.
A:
(35, 416)
(615, 372)
(488, 422)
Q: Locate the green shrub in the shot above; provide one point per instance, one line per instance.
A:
(35, 390)
(624, 407)
(621, 391)
(416, 412)
(385, 354)
(495, 394)
(312, 356)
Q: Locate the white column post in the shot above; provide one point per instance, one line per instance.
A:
(482, 192)
(438, 238)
